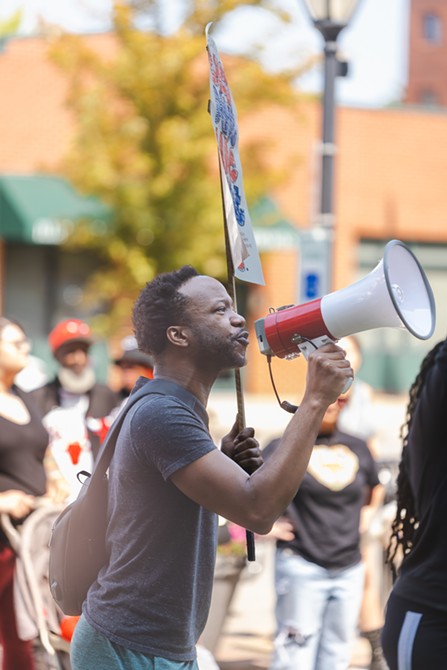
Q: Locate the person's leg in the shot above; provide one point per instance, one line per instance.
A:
(301, 599)
(394, 616)
(430, 643)
(340, 619)
(414, 639)
(17, 654)
(89, 649)
(371, 611)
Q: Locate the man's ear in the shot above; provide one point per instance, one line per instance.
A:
(178, 335)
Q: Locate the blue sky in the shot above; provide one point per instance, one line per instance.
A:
(375, 42)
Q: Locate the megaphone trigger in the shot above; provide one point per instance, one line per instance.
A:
(308, 346)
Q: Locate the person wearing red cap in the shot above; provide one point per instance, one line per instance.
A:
(74, 399)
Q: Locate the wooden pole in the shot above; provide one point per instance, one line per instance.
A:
(250, 538)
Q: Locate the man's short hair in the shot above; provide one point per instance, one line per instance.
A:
(160, 305)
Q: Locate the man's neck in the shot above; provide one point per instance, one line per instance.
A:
(193, 381)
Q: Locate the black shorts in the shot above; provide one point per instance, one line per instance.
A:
(414, 637)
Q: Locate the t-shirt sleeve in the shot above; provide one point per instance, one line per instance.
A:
(168, 435)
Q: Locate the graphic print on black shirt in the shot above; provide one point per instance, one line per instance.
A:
(327, 507)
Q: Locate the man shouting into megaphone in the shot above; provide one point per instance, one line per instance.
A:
(168, 482)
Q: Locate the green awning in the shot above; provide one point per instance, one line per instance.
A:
(42, 209)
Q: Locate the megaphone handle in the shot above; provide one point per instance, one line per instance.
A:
(308, 346)
(348, 385)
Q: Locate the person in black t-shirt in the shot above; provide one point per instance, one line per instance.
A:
(23, 442)
(319, 573)
(415, 631)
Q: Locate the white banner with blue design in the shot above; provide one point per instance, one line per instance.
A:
(244, 252)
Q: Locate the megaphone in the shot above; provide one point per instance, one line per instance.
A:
(395, 294)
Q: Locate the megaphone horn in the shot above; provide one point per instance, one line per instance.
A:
(395, 294)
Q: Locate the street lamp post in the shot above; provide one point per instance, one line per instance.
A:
(329, 17)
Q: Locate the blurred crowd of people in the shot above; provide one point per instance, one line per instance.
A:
(51, 428)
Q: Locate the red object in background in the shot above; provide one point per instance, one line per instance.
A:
(67, 626)
(99, 426)
(70, 330)
(74, 451)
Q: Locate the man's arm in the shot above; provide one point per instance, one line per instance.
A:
(256, 501)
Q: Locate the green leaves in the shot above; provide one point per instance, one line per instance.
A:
(145, 143)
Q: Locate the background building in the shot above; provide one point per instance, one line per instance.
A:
(389, 183)
(427, 54)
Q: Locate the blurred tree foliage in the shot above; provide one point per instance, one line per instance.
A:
(10, 25)
(145, 144)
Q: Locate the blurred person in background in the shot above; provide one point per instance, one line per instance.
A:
(319, 572)
(357, 418)
(132, 363)
(415, 631)
(23, 443)
(357, 415)
(76, 407)
(33, 376)
(75, 384)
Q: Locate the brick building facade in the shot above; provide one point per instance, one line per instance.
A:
(427, 53)
(390, 172)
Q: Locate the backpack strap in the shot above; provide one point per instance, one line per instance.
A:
(152, 387)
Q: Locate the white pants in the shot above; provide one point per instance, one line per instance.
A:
(317, 613)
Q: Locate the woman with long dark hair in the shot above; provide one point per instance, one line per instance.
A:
(415, 632)
(23, 442)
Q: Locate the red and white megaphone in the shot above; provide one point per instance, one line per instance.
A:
(395, 294)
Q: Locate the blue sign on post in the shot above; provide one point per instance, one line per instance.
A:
(314, 264)
(311, 286)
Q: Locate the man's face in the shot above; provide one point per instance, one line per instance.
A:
(74, 356)
(219, 336)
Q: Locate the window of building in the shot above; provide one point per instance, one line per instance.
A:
(432, 28)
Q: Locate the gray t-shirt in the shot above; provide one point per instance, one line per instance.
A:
(154, 594)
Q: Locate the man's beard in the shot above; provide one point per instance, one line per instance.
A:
(77, 383)
(218, 354)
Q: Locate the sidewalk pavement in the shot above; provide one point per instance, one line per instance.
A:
(246, 640)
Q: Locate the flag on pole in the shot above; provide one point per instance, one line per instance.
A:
(244, 252)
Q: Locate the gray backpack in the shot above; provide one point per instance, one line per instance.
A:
(77, 543)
